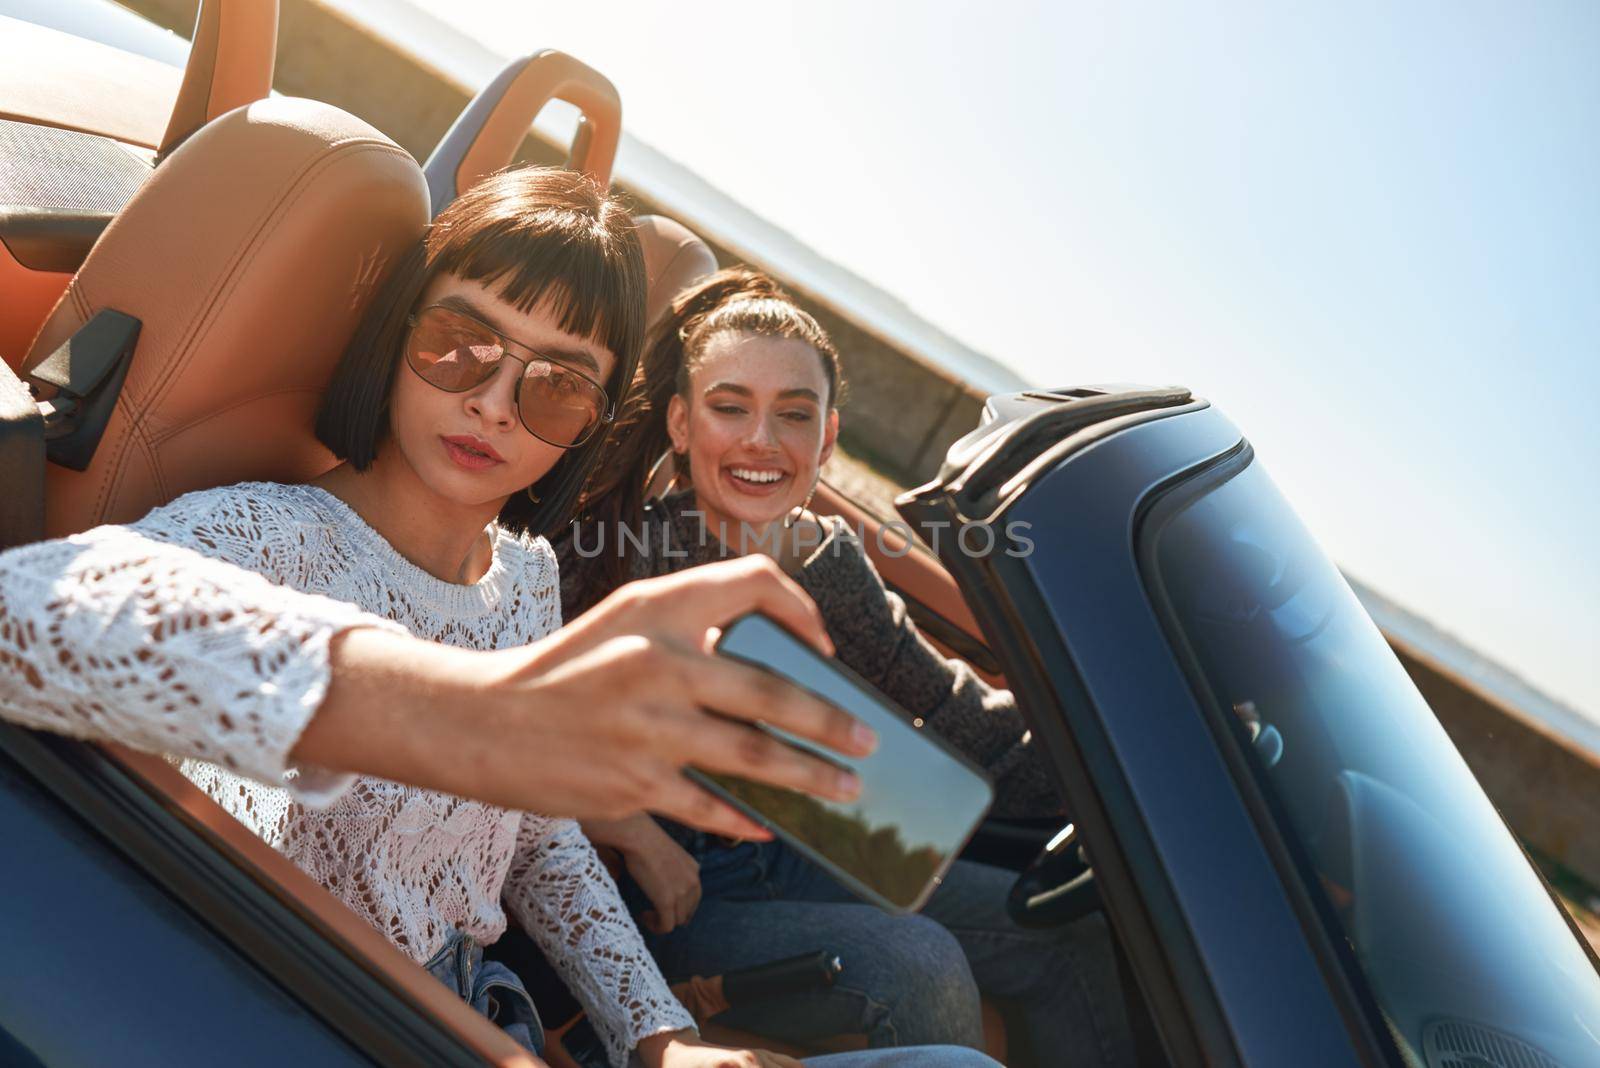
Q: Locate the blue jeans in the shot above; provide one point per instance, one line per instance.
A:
(921, 1057)
(497, 994)
(907, 980)
(489, 987)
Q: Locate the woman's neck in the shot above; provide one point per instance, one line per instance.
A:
(445, 538)
(737, 537)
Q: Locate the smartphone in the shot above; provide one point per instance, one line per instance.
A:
(920, 801)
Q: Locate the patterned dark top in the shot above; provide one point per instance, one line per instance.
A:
(871, 630)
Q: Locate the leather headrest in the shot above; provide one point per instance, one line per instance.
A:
(249, 257)
(674, 259)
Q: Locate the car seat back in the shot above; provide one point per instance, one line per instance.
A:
(81, 126)
(246, 262)
(674, 260)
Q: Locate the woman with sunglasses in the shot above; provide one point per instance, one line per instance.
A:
(344, 664)
(740, 386)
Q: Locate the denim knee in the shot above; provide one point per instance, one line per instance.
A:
(920, 987)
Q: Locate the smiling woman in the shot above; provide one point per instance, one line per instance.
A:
(740, 386)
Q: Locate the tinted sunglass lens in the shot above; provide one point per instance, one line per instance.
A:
(557, 405)
(452, 352)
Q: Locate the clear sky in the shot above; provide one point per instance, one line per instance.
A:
(1370, 232)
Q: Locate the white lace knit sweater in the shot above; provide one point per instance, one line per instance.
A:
(202, 631)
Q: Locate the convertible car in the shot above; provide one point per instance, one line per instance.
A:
(1297, 865)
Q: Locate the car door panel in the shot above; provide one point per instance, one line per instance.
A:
(179, 854)
(1220, 953)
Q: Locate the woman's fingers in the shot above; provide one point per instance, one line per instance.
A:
(768, 1059)
(723, 592)
(684, 911)
(749, 693)
(677, 798)
(751, 753)
(691, 902)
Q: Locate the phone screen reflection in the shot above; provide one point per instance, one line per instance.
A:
(918, 803)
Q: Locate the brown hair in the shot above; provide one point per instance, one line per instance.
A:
(538, 234)
(736, 300)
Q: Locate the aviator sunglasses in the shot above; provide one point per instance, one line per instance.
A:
(455, 352)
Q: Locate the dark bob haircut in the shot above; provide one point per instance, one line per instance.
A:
(536, 235)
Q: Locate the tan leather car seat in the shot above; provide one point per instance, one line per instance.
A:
(248, 257)
(674, 260)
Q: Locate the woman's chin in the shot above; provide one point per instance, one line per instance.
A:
(467, 489)
(762, 521)
(757, 516)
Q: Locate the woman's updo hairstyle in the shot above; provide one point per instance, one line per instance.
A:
(737, 301)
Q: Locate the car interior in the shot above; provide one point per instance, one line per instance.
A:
(184, 261)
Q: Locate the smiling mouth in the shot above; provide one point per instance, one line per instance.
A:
(753, 477)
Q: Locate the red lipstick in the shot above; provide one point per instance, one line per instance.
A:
(470, 452)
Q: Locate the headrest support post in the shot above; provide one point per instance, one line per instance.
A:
(231, 58)
(486, 136)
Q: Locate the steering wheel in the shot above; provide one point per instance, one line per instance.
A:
(1057, 887)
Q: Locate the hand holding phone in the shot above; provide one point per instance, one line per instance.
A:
(920, 799)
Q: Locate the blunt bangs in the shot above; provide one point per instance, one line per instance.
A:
(568, 254)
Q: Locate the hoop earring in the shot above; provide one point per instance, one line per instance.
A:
(795, 514)
(532, 496)
(654, 474)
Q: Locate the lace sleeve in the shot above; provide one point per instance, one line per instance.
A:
(563, 897)
(122, 634)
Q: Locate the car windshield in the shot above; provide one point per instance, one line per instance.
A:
(1449, 928)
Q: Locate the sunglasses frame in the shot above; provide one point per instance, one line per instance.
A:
(608, 411)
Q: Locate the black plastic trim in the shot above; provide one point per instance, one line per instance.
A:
(22, 455)
(87, 373)
(948, 634)
(51, 241)
(987, 469)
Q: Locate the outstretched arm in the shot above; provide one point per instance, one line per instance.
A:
(124, 635)
(118, 635)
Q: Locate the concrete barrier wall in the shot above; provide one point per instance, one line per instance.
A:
(1548, 788)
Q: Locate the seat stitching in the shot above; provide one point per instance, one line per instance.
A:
(193, 331)
(167, 435)
(112, 476)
